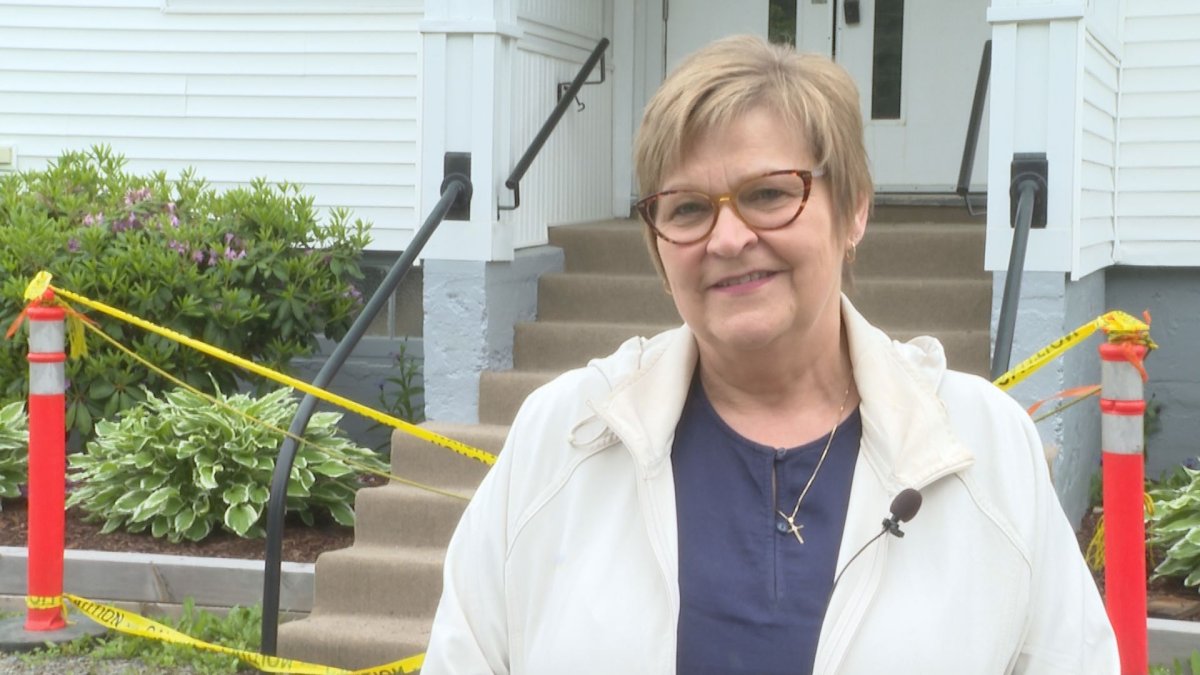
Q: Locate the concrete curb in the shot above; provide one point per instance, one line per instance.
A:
(165, 580)
(1170, 640)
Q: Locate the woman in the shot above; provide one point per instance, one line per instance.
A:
(685, 505)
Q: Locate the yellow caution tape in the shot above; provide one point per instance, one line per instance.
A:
(134, 624)
(35, 289)
(1119, 326)
(370, 413)
(42, 602)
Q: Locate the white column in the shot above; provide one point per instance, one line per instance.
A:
(467, 52)
(1034, 106)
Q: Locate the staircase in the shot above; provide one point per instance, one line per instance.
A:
(919, 271)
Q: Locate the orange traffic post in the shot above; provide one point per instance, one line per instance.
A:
(47, 466)
(1122, 408)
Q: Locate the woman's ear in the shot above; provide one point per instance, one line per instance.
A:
(858, 227)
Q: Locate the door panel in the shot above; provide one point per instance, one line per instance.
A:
(691, 24)
(916, 137)
(917, 146)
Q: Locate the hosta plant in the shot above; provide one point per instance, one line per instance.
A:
(14, 449)
(1175, 525)
(179, 466)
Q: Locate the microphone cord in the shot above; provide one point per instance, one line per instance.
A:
(864, 547)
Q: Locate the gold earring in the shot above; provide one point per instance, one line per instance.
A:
(852, 253)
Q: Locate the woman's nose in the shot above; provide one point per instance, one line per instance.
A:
(730, 234)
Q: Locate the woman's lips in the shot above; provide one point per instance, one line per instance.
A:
(743, 282)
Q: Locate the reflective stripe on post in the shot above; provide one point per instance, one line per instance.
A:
(47, 464)
(1122, 408)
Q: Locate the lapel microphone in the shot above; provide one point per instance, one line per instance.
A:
(904, 507)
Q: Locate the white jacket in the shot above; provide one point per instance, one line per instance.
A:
(565, 562)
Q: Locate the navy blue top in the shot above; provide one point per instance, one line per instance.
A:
(752, 597)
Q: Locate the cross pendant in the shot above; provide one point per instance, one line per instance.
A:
(794, 527)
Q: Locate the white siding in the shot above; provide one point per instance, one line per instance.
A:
(317, 92)
(1097, 169)
(1159, 207)
(571, 180)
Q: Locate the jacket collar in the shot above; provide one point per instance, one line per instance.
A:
(907, 438)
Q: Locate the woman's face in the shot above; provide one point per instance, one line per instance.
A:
(742, 290)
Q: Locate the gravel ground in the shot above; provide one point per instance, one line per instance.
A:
(82, 665)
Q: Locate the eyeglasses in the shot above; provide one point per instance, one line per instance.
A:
(766, 202)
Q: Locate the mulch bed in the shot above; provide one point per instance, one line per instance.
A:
(1165, 598)
(300, 543)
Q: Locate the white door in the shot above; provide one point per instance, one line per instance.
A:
(916, 74)
(692, 24)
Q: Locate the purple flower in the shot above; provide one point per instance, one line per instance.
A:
(174, 221)
(198, 257)
(134, 196)
(88, 220)
(228, 237)
(73, 245)
(177, 247)
(231, 254)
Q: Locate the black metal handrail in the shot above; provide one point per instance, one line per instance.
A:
(1029, 188)
(513, 182)
(976, 121)
(454, 187)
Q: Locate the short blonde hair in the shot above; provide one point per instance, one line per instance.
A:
(729, 78)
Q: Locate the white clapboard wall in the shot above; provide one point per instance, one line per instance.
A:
(1158, 206)
(571, 180)
(317, 92)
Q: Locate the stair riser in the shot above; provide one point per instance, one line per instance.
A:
(561, 346)
(927, 307)
(937, 252)
(421, 461)
(352, 642)
(501, 394)
(349, 584)
(607, 250)
(604, 298)
(399, 515)
(342, 651)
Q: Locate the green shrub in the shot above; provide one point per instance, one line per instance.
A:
(249, 270)
(1175, 525)
(179, 466)
(14, 449)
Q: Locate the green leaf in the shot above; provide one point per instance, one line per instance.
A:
(183, 520)
(240, 517)
(237, 494)
(160, 526)
(342, 513)
(259, 495)
(198, 530)
(130, 501)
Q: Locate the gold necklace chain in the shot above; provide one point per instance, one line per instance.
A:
(791, 520)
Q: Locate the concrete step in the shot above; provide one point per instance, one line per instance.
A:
(353, 641)
(621, 298)
(610, 247)
(502, 393)
(925, 250)
(562, 345)
(424, 462)
(396, 515)
(899, 304)
(897, 212)
(400, 581)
